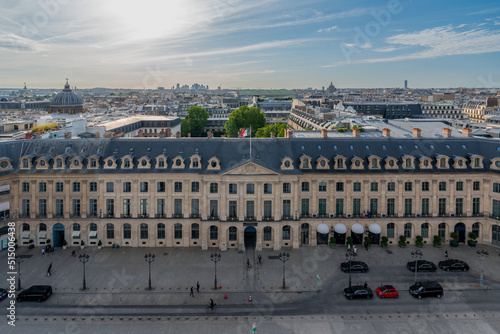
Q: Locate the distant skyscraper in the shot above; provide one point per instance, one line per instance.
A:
(406, 84)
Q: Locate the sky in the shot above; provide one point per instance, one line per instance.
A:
(266, 44)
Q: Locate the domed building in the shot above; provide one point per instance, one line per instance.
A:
(66, 102)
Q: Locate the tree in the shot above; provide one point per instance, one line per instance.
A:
(197, 120)
(243, 118)
(278, 129)
(185, 128)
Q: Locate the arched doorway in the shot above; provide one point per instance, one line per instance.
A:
(374, 231)
(322, 233)
(460, 229)
(357, 231)
(304, 234)
(339, 233)
(250, 237)
(58, 234)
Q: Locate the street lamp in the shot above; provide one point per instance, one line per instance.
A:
(349, 256)
(18, 260)
(283, 258)
(84, 258)
(482, 255)
(215, 258)
(149, 259)
(416, 255)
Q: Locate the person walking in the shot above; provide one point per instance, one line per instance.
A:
(354, 249)
(446, 254)
(260, 259)
(192, 292)
(197, 286)
(366, 285)
(43, 252)
(73, 253)
(366, 246)
(49, 270)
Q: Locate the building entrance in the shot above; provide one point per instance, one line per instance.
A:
(58, 233)
(250, 237)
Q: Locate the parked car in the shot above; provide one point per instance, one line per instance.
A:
(453, 265)
(356, 266)
(422, 265)
(387, 291)
(426, 289)
(37, 293)
(3, 294)
(358, 291)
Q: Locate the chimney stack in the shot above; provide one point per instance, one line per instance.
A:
(97, 134)
(273, 135)
(355, 132)
(178, 134)
(467, 132)
(189, 134)
(67, 135)
(417, 132)
(162, 133)
(386, 132)
(446, 132)
(140, 133)
(324, 133)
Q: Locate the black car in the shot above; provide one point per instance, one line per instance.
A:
(358, 291)
(422, 265)
(3, 294)
(356, 266)
(453, 265)
(426, 289)
(37, 293)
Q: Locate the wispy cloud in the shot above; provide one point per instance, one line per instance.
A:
(334, 28)
(486, 11)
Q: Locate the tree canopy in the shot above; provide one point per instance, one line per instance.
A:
(278, 129)
(243, 118)
(197, 120)
(185, 128)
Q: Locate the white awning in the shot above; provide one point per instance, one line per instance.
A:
(5, 187)
(25, 235)
(357, 228)
(323, 229)
(75, 234)
(42, 235)
(340, 228)
(93, 234)
(4, 206)
(375, 228)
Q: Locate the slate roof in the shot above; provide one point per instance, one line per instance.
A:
(268, 152)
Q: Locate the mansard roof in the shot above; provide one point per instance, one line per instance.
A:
(268, 152)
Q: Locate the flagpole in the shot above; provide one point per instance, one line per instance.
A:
(250, 141)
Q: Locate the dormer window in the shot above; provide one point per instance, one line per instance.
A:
(93, 163)
(442, 162)
(195, 163)
(144, 163)
(357, 163)
(126, 163)
(25, 163)
(322, 163)
(59, 163)
(178, 162)
(340, 163)
(286, 163)
(305, 163)
(426, 163)
(161, 162)
(408, 163)
(213, 164)
(477, 162)
(460, 163)
(109, 163)
(374, 163)
(42, 163)
(76, 162)
(4, 164)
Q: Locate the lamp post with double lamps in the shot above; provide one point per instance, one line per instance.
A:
(283, 258)
(482, 255)
(215, 258)
(84, 258)
(349, 255)
(18, 260)
(416, 255)
(149, 259)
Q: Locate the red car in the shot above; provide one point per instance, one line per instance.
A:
(387, 291)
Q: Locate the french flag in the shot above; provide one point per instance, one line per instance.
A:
(245, 133)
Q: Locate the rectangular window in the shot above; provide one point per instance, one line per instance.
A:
(286, 208)
(250, 209)
(460, 186)
(143, 206)
(390, 206)
(340, 186)
(233, 209)
(25, 207)
(76, 187)
(267, 234)
(459, 206)
(195, 206)
(76, 208)
(425, 230)
(287, 188)
(214, 208)
(374, 186)
(178, 207)
(408, 207)
(59, 187)
(59, 207)
(42, 187)
(356, 206)
(391, 186)
(442, 186)
(250, 189)
(160, 207)
(339, 207)
(305, 186)
(390, 230)
(425, 207)
(195, 187)
(127, 187)
(442, 206)
(373, 206)
(322, 186)
(476, 186)
(26, 187)
(110, 207)
(178, 187)
(214, 188)
(268, 209)
(476, 206)
(322, 207)
(93, 207)
(42, 207)
(110, 187)
(126, 207)
(356, 186)
(425, 186)
(305, 207)
(496, 187)
(408, 186)
(110, 232)
(268, 188)
(496, 208)
(233, 188)
(144, 187)
(160, 187)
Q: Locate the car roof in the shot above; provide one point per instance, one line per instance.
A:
(389, 287)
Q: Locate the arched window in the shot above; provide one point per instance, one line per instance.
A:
(424, 230)
(195, 162)
(127, 231)
(286, 232)
(407, 230)
(306, 163)
(178, 231)
(442, 230)
(160, 228)
(340, 163)
(214, 232)
(76, 227)
(268, 233)
(93, 227)
(408, 162)
(374, 163)
(93, 163)
(59, 163)
(110, 231)
(390, 230)
(161, 162)
(476, 162)
(126, 164)
(475, 228)
(233, 233)
(26, 227)
(144, 231)
(443, 162)
(195, 231)
(43, 227)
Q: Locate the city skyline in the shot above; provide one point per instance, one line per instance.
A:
(263, 44)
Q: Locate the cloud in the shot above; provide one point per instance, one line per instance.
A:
(17, 43)
(486, 11)
(336, 28)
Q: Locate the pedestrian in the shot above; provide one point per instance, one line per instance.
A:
(366, 285)
(446, 254)
(192, 292)
(248, 264)
(260, 259)
(43, 251)
(354, 249)
(348, 246)
(48, 270)
(73, 253)
(366, 246)
(197, 286)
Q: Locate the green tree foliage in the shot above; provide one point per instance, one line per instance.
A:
(197, 120)
(45, 128)
(243, 118)
(185, 128)
(278, 129)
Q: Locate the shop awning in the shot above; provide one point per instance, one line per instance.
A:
(93, 234)
(357, 228)
(25, 235)
(323, 229)
(375, 228)
(340, 228)
(75, 234)
(42, 235)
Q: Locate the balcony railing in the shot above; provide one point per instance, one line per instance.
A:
(177, 215)
(126, 215)
(143, 215)
(213, 218)
(250, 218)
(194, 215)
(232, 218)
(286, 218)
(268, 218)
(160, 215)
(304, 215)
(495, 217)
